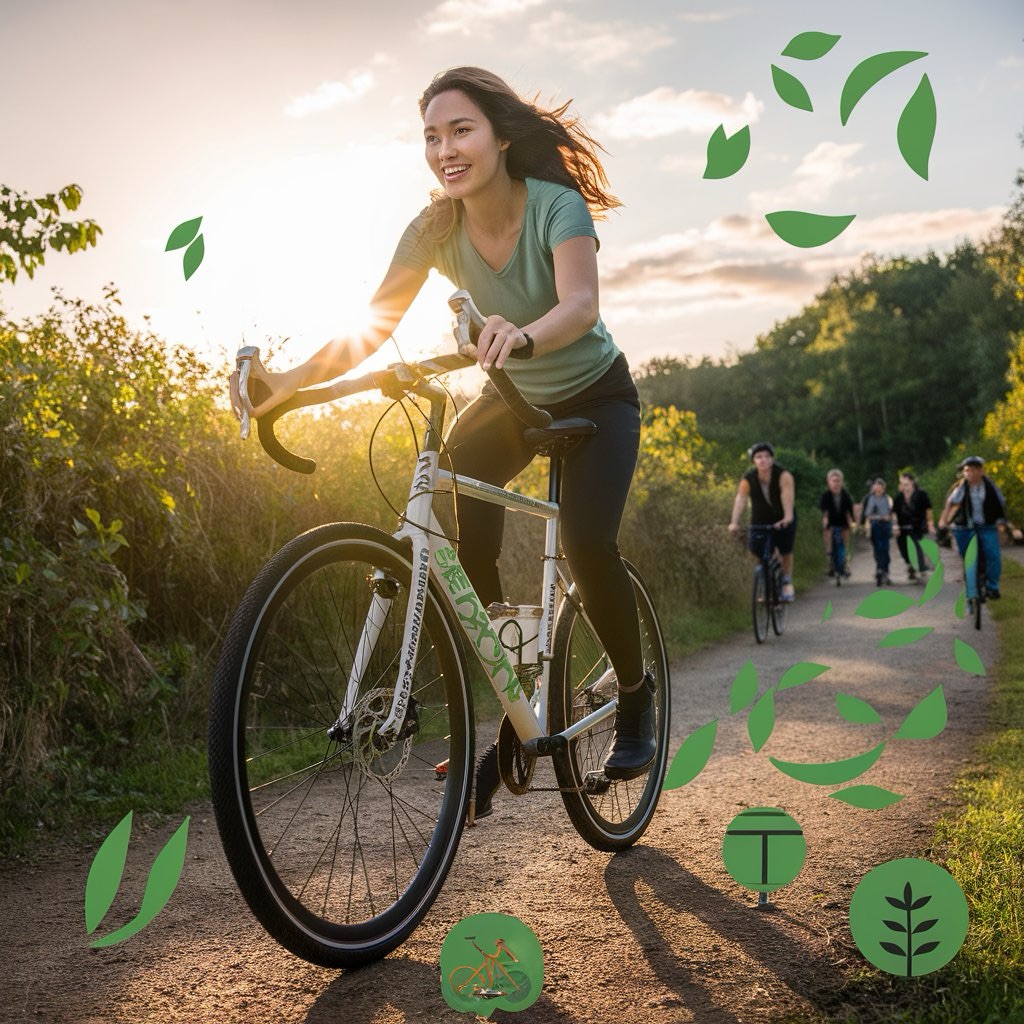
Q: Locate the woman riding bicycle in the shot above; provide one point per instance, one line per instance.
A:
(770, 490)
(513, 225)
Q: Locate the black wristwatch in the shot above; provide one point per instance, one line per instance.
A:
(525, 351)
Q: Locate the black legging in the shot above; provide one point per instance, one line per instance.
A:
(487, 443)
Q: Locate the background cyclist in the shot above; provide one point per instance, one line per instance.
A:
(513, 224)
(978, 502)
(770, 489)
(877, 518)
(913, 510)
(837, 511)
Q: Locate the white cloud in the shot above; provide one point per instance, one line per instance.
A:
(819, 172)
(663, 111)
(590, 43)
(704, 17)
(738, 261)
(466, 16)
(331, 94)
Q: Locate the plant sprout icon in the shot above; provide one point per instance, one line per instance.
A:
(763, 850)
(930, 923)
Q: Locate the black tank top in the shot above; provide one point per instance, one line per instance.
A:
(764, 511)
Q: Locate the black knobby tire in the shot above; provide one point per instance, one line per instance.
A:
(609, 815)
(760, 607)
(339, 847)
(778, 606)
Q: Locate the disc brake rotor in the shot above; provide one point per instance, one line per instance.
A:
(384, 764)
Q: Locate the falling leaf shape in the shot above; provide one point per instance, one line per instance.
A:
(194, 256)
(853, 709)
(183, 234)
(934, 584)
(915, 131)
(105, 873)
(870, 798)
(931, 550)
(971, 554)
(761, 721)
(790, 89)
(905, 637)
(869, 73)
(810, 45)
(806, 230)
(691, 757)
(827, 614)
(830, 773)
(744, 688)
(802, 672)
(967, 658)
(927, 719)
(727, 155)
(160, 886)
(883, 604)
(960, 608)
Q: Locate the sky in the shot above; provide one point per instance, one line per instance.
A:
(292, 128)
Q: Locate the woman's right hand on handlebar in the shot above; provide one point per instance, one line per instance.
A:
(268, 390)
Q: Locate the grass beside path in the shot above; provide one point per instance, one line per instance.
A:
(983, 848)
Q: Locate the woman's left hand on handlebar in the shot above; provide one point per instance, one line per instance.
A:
(498, 337)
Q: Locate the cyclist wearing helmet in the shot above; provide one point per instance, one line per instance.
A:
(770, 489)
(977, 502)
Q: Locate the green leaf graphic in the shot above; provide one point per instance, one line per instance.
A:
(827, 614)
(790, 89)
(934, 584)
(806, 230)
(915, 132)
(761, 720)
(905, 637)
(810, 45)
(971, 554)
(105, 873)
(830, 773)
(931, 550)
(194, 256)
(883, 604)
(160, 886)
(927, 719)
(870, 72)
(960, 608)
(691, 757)
(967, 658)
(727, 155)
(871, 798)
(802, 672)
(744, 688)
(183, 234)
(853, 709)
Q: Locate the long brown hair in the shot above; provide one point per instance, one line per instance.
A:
(547, 144)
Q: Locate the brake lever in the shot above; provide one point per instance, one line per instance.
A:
(238, 387)
(468, 322)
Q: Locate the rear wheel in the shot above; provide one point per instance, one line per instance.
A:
(339, 843)
(608, 814)
(759, 605)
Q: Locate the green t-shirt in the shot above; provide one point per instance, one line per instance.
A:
(524, 289)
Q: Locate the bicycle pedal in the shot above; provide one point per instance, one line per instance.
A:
(596, 783)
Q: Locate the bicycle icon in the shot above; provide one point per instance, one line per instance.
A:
(491, 979)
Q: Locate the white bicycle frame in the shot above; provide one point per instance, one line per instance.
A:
(433, 554)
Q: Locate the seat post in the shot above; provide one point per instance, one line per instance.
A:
(554, 478)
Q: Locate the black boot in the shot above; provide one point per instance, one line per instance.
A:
(634, 745)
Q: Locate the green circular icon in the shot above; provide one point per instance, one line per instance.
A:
(908, 917)
(491, 962)
(763, 849)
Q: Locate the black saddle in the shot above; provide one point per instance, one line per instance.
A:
(559, 436)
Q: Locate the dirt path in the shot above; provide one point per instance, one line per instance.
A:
(660, 933)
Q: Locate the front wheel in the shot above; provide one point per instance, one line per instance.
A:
(339, 840)
(760, 607)
(778, 606)
(609, 814)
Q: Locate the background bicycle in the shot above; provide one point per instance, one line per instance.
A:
(767, 605)
(343, 686)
